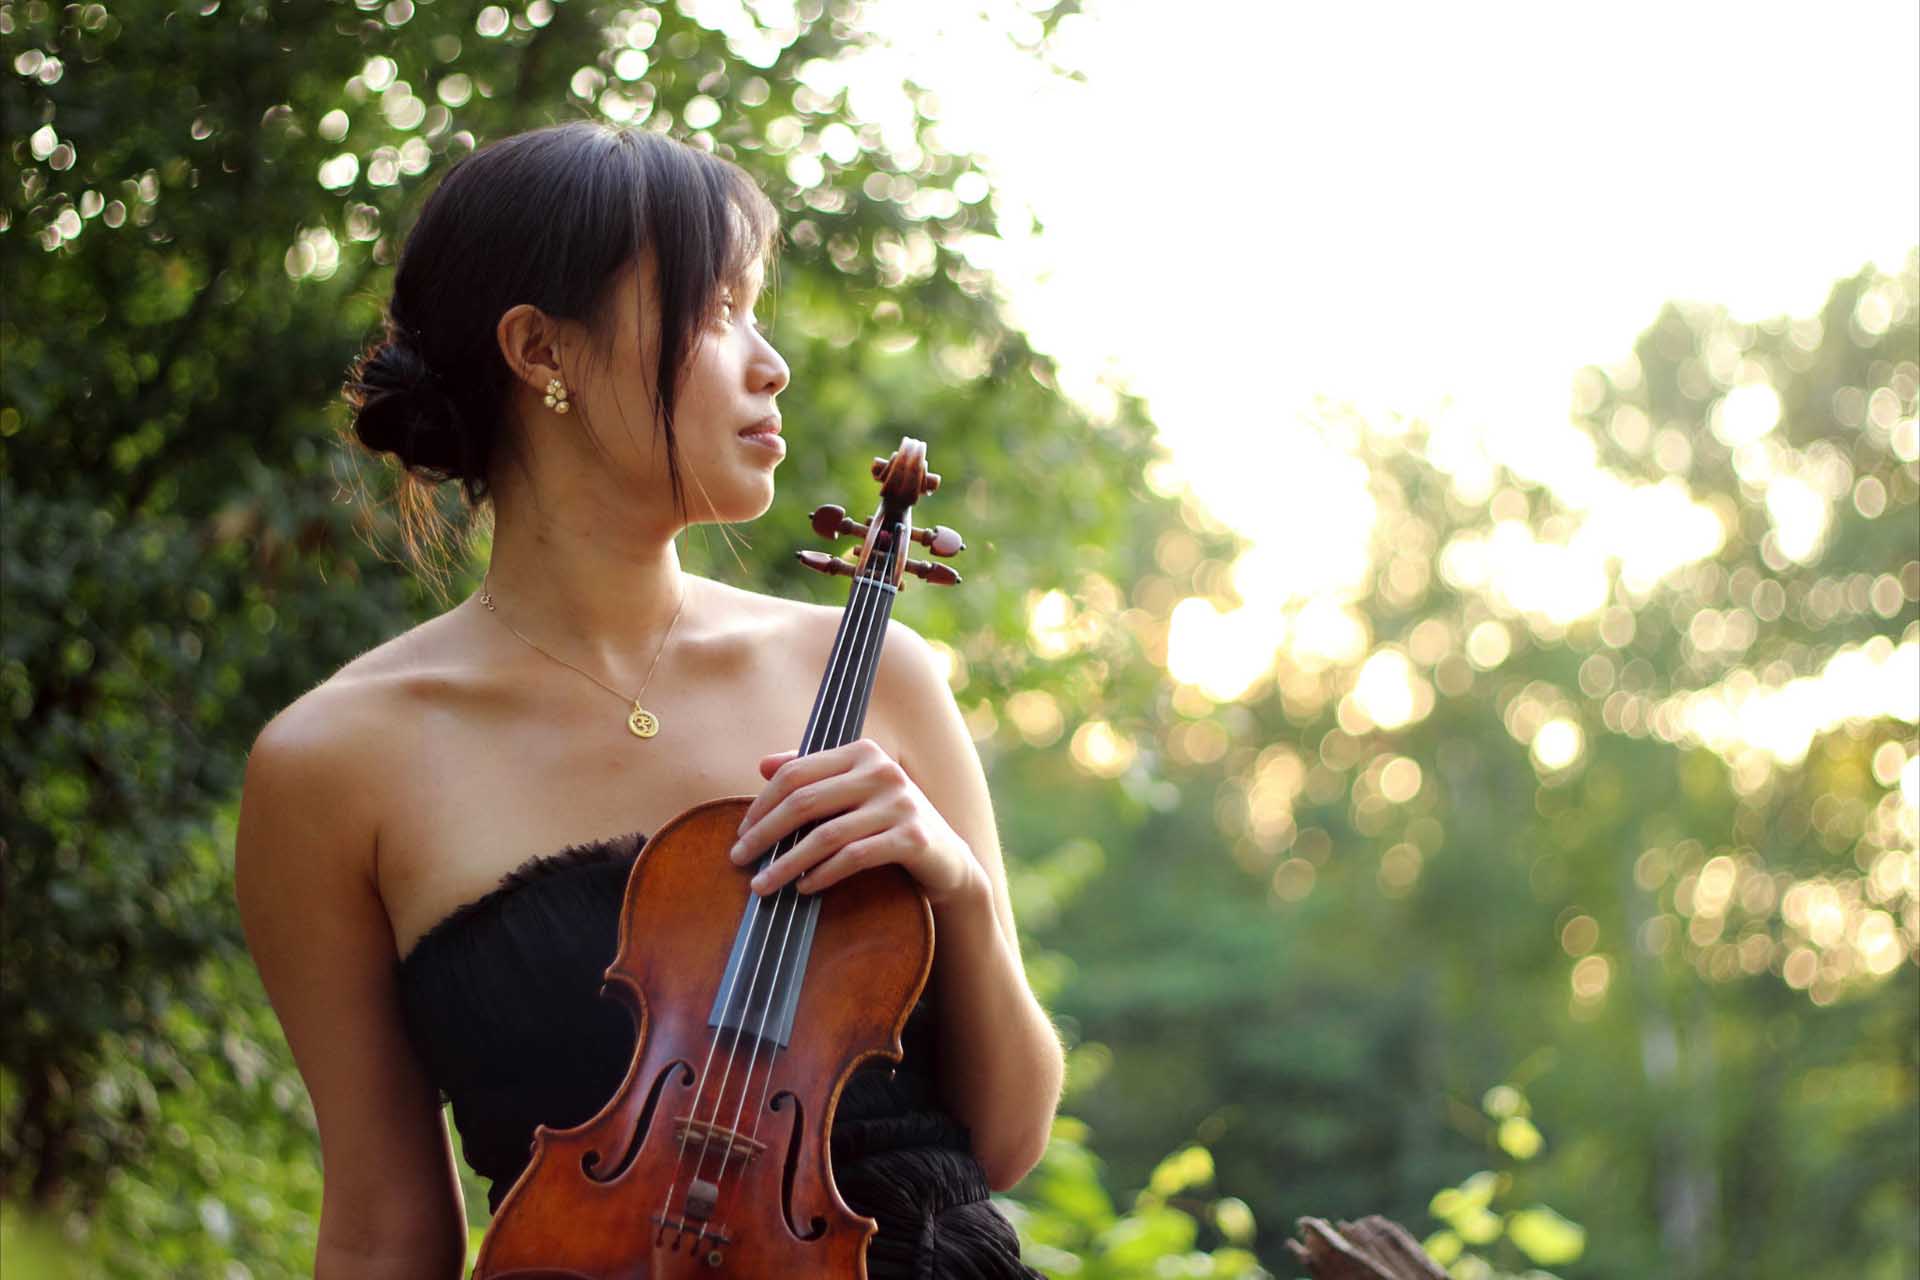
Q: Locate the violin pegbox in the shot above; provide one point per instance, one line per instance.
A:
(904, 480)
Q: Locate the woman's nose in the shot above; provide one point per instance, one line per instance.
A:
(770, 369)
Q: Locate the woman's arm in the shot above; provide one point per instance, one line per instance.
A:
(930, 811)
(303, 865)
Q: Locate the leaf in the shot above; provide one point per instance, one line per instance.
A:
(1146, 1235)
(1545, 1236)
(1191, 1167)
(1518, 1138)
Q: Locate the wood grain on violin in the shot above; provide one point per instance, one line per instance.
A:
(712, 1158)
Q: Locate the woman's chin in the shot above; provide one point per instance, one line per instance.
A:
(747, 503)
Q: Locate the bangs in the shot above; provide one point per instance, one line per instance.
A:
(700, 220)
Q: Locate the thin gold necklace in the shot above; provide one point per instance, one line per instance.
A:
(642, 722)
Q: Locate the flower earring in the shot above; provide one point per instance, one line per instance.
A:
(557, 395)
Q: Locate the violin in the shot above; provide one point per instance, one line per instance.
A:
(712, 1157)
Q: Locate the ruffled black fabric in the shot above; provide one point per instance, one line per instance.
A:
(488, 992)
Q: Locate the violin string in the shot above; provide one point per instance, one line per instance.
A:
(859, 622)
(758, 905)
(848, 711)
(706, 1069)
(814, 721)
(761, 904)
(790, 900)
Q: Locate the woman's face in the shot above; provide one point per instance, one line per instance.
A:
(726, 425)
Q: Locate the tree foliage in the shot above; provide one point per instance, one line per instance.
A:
(204, 205)
(1551, 865)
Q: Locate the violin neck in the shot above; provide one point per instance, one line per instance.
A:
(840, 707)
(759, 993)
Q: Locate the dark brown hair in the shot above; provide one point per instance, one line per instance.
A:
(549, 218)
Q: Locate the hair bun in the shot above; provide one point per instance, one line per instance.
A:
(401, 408)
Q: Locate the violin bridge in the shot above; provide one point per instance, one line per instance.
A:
(732, 1144)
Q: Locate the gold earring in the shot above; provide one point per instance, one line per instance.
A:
(557, 395)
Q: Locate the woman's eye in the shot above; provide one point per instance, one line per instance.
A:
(728, 312)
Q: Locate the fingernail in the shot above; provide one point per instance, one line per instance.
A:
(737, 850)
(759, 883)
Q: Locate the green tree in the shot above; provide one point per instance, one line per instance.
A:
(203, 205)
(1698, 961)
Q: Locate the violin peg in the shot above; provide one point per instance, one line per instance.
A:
(935, 575)
(824, 563)
(940, 540)
(929, 483)
(826, 520)
(833, 522)
(879, 467)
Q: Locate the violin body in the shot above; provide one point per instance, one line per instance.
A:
(607, 1200)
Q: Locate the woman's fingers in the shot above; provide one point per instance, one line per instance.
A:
(773, 812)
(855, 856)
(769, 765)
(823, 845)
(790, 772)
(816, 801)
(859, 802)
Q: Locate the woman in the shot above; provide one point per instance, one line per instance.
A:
(434, 842)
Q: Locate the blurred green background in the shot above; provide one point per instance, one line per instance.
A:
(1476, 927)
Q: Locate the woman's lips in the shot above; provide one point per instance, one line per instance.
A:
(765, 434)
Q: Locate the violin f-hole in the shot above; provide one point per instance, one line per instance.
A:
(817, 1225)
(590, 1162)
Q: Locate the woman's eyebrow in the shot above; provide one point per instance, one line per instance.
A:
(750, 281)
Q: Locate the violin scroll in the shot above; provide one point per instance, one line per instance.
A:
(904, 479)
(928, 480)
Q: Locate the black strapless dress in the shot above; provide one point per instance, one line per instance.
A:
(502, 1003)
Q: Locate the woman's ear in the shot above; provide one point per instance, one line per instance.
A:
(530, 343)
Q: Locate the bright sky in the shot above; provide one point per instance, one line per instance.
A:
(1250, 205)
(1440, 210)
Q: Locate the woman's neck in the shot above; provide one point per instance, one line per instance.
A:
(596, 590)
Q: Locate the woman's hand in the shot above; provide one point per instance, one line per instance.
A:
(870, 812)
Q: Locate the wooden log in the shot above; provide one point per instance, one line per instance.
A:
(1373, 1248)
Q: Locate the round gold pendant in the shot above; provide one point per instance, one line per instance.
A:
(643, 722)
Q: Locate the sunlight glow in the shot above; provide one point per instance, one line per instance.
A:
(1460, 328)
(1745, 414)
(1390, 692)
(1222, 654)
(1102, 750)
(1591, 977)
(1799, 513)
(1036, 716)
(1557, 744)
(1050, 625)
(1740, 715)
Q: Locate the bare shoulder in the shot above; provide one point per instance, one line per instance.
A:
(758, 624)
(330, 748)
(808, 630)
